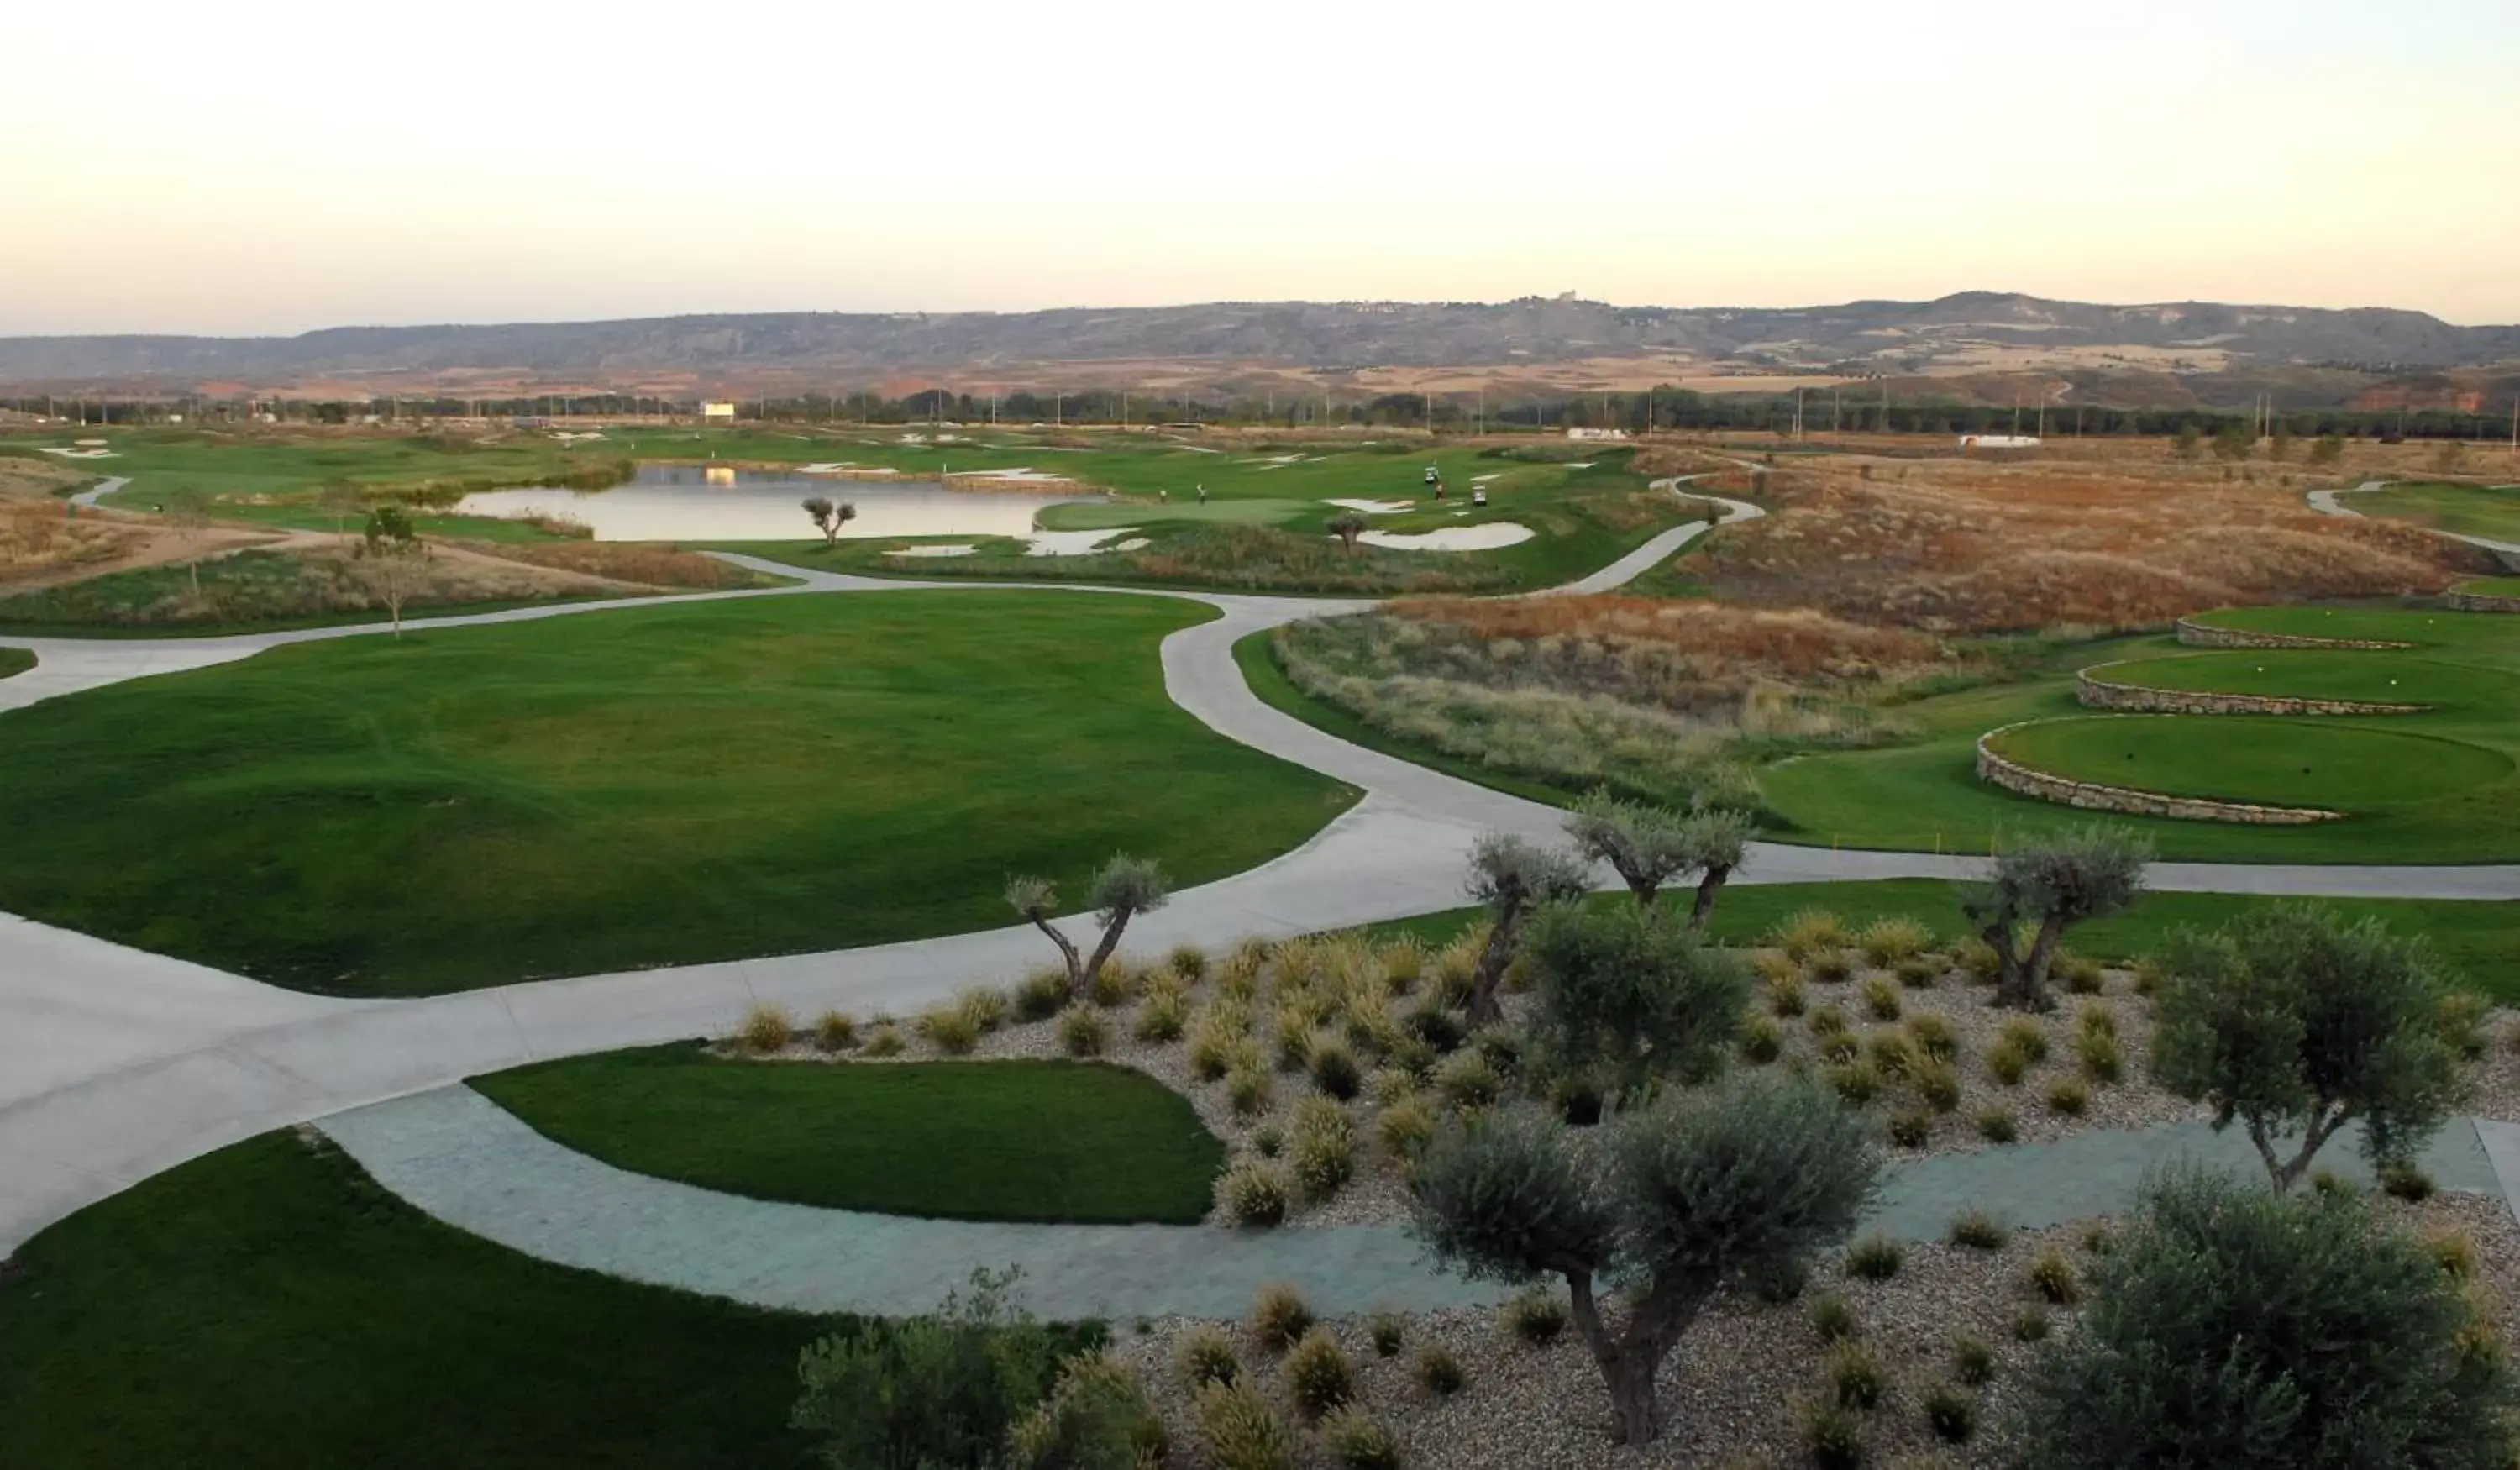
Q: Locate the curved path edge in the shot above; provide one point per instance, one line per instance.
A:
(460, 1158)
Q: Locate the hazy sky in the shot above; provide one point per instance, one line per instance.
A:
(289, 165)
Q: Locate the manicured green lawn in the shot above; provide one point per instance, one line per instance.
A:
(1037, 1141)
(631, 788)
(269, 1305)
(2467, 510)
(1926, 795)
(247, 592)
(15, 662)
(2322, 674)
(2479, 940)
(2278, 762)
(2493, 587)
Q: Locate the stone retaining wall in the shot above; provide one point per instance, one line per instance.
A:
(2199, 636)
(2137, 698)
(2477, 602)
(2089, 796)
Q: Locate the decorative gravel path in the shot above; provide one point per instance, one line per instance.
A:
(460, 1157)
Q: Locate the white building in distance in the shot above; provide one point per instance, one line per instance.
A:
(1999, 441)
(714, 412)
(1574, 432)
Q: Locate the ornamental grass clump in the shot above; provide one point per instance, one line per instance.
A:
(1188, 961)
(1809, 931)
(766, 1029)
(1335, 1068)
(2068, 1098)
(1832, 1435)
(1831, 1317)
(2237, 1326)
(1115, 985)
(884, 1041)
(1404, 1128)
(986, 1007)
(1785, 997)
(1097, 1414)
(1919, 971)
(1206, 1355)
(2052, 1276)
(1533, 1318)
(1979, 1231)
(1388, 1332)
(1825, 1021)
(2103, 1061)
(1881, 999)
(1855, 1083)
(1083, 1032)
(1763, 1041)
(1254, 1195)
(1041, 995)
(1250, 1091)
(1996, 1124)
(1359, 1441)
(1467, 1081)
(1950, 1413)
(1891, 1053)
(834, 1030)
(1910, 1128)
(1279, 1317)
(1876, 1257)
(1937, 1084)
(1891, 938)
(1240, 1430)
(1772, 1169)
(1934, 1036)
(1318, 1375)
(1163, 1019)
(1323, 1160)
(951, 1029)
(1972, 1359)
(1438, 1371)
(1855, 1379)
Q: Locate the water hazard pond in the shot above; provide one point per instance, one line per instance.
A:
(705, 502)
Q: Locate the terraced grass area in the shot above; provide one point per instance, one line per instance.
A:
(2479, 942)
(1035, 1140)
(2492, 513)
(2278, 762)
(269, 1305)
(2492, 587)
(630, 788)
(1925, 795)
(2380, 677)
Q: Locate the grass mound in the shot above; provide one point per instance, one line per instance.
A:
(270, 1305)
(1035, 1140)
(2308, 763)
(2320, 674)
(15, 662)
(647, 786)
(2463, 510)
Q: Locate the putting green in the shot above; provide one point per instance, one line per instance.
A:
(629, 788)
(2361, 676)
(2491, 587)
(2303, 763)
(2419, 629)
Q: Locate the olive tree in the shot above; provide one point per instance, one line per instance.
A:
(1633, 998)
(830, 516)
(1124, 888)
(1347, 528)
(2053, 884)
(1511, 877)
(1674, 1202)
(392, 559)
(2294, 1023)
(1651, 846)
(2245, 1330)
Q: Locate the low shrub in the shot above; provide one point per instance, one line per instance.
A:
(945, 1389)
(1114, 985)
(1763, 1041)
(1098, 1417)
(1829, 967)
(1855, 1380)
(1832, 1435)
(1979, 1231)
(2007, 1063)
(1253, 1194)
(1773, 968)
(1952, 1413)
(1831, 1317)
(1268, 1141)
(1785, 997)
(2099, 1240)
(834, 1030)
(2403, 1181)
(1825, 1021)
(2068, 1096)
(1359, 1441)
(2454, 1252)
(1041, 995)
(2462, 1022)
(1388, 1332)
(1318, 1374)
(1248, 1090)
(1972, 1359)
(1876, 1257)
(2096, 1019)
(1938, 1084)
(1919, 971)
(2025, 1036)
(1881, 999)
(1995, 1125)
(884, 1041)
(1279, 1317)
(1502, 1046)
(1934, 1036)
(1910, 1128)
(2147, 975)
(1840, 1046)
(1206, 1355)
(766, 1029)
(2030, 1324)
(1404, 1128)
(1892, 938)
(1781, 1282)
(1891, 1053)
(1296, 1031)
(1976, 959)
(1404, 966)
(2078, 973)
(1323, 1163)
(951, 1030)
(1082, 1032)
(1335, 1068)
(1439, 1373)
(1242, 1431)
(2327, 1184)
(1390, 1085)
(1437, 1027)
(1534, 1316)
(1188, 961)
(1808, 931)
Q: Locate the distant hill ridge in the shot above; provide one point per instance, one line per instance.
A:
(1901, 337)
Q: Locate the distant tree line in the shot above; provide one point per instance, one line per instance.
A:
(1854, 409)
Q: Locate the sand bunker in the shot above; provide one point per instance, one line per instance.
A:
(82, 453)
(1482, 538)
(1078, 542)
(933, 551)
(1025, 475)
(1372, 507)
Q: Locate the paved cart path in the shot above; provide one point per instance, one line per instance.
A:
(460, 1157)
(116, 1063)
